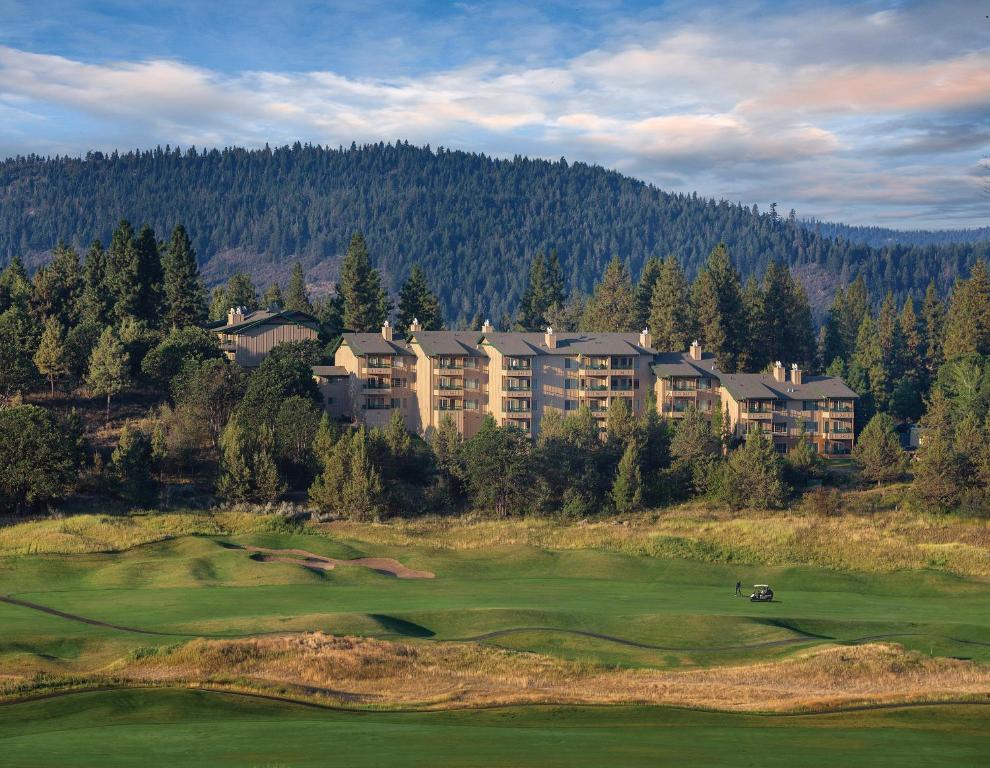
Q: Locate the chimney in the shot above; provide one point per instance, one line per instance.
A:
(550, 338)
(695, 350)
(779, 374)
(235, 315)
(386, 331)
(487, 327)
(645, 339)
(414, 326)
(797, 375)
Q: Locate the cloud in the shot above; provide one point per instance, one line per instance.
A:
(854, 109)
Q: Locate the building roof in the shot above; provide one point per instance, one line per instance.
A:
(681, 364)
(523, 344)
(267, 317)
(763, 386)
(448, 342)
(374, 344)
(326, 371)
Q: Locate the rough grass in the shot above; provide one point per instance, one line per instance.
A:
(876, 536)
(382, 675)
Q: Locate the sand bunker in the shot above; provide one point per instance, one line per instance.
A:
(383, 565)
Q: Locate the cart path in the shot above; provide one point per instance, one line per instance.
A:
(383, 565)
(491, 635)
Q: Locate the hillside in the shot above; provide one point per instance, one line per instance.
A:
(473, 222)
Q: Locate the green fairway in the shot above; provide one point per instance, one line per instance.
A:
(170, 728)
(683, 610)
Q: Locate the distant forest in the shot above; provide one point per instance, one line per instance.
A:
(881, 236)
(472, 222)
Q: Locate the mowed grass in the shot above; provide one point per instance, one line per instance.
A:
(198, 728)
(199, 585)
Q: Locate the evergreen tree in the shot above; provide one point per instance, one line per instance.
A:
(15, 287)
(18, 341)
(878, 451)
(933, 330)
(620, 423)
(130, 466)
(718, 306)
(366, 305)
(109, 367)
(671, 323)
(855, 308)
(694, 448)
(612, 307)
(123, 275)
(498, 468)
(644, 290)
(543, 295)
(150, 277)
(627, 491)
(447, 444)
(273, 297)
(57, 288)
(38, 459)
(234, 483)
(756, 352)
(296, 295)
(870, 359)
(967, 325)
(185, 297)
(268, 485)
(50, 358)
(238, 292)
(97, 298)
(754, 475)
(938, 481)
(418, 302)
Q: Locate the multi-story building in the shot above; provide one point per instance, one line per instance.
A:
(517, 377)
(818, 408)
(381, 378)
(246, 337)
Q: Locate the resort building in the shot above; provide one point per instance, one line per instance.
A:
(247, 336)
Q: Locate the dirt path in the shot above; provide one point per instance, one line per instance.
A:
(383, 565)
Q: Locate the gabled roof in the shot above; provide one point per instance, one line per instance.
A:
(523, 344)
(374, 344)
(448, 342)
(267, 317)
(763, 386)
(681, 364)
(326, 371)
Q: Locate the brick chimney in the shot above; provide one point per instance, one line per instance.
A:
(487, 327)
(550, 338)
(645, 339)
(695, 350)
(414, 326)
(236, 315)
(386, 331)
(797, 375)
(779, 372)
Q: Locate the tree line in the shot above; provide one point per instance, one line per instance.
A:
(471, 222)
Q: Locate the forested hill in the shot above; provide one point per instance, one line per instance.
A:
(881, 236)
(471, 221)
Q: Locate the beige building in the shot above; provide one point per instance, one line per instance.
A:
(246, 337)
(517, 377)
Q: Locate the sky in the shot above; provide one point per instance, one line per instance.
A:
(861, 112)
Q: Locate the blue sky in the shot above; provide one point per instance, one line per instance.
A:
(864, 112)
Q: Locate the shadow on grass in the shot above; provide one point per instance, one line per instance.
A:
(401, 626)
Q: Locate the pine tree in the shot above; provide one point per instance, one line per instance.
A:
(234, 483)
(418, 302)
(273, 296)
(718, 306)
(627, 491)
(362, 494)
(296, 295)
(754, 475)
(756, 351)
(150, 277)
(671, 323)
(870, 358)
(97, 298)
(109, 367)
(50, 358)
(57, 287)
(878, 451)
(967, 325)
(937, 469)
(911, 362)
(855, 308)
(366, 304)
(124, 272)
(644, 290)
(933, 330)
(15, 287)
(613, 305)
(620, 423)
(185, 297)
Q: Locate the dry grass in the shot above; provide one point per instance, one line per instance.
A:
(378, 674)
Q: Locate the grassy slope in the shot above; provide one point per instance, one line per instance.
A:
(194, 585)
(159, 728)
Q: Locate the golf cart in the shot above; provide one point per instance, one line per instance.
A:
(763, 594)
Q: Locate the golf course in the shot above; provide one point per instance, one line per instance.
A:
(305, 640)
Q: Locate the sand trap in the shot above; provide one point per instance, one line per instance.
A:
(383, 565)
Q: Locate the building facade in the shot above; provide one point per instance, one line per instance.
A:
(246, 337)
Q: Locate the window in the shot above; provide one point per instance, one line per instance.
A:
(395, 402)
(398, 382)
(570, 362)
(780, 447)
(570, 383)
(570, 405)
(470, 405)
(810, 427)
(809, 405)
(470, 383)
(780, 428)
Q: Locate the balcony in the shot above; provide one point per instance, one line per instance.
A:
(768, 414)
(378, 386)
